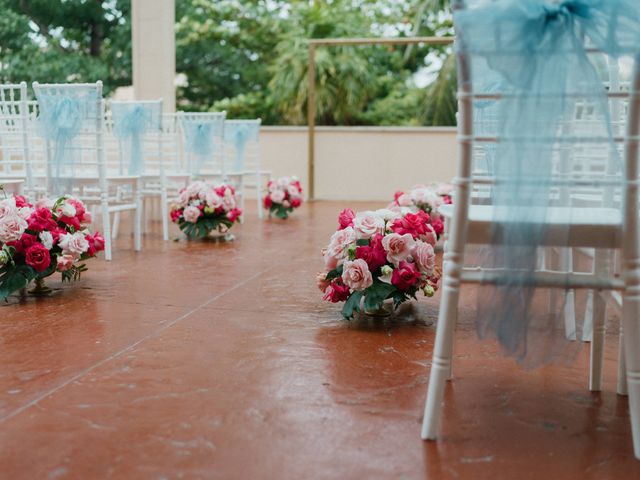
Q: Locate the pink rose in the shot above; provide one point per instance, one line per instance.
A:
(398, 247)
(65, 262)
(277, 196)
(74, 244)
(322, 282)
(183, 198)
(346, 218)
(12, 227)
(424, 256)
(356, 274)
(191, 214)
(367, 224)
(404, 200)
(213, 199)
(430, 236)
(340, 242)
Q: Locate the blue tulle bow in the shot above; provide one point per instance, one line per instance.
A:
(60, 121)
(240, 133)
(199, 142)
(537, 50)
(131, 122)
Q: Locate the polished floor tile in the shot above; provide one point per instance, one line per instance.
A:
(201, 360)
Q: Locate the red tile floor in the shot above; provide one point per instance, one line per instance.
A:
(200, 360)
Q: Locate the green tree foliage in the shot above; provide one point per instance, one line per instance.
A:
(66, 41)
(249, 57)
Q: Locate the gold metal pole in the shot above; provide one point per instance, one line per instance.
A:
(311, 119)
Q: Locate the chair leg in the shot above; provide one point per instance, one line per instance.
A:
(622, 365)
(137, 220)
(259, 195)
(569, 311)
(631, 325)
(443, 347)
(601, 267)
(106, 227)
(116, 218)
(597, 343)
(587, 325)
(164, 211)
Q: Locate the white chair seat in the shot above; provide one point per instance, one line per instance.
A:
(595, 227)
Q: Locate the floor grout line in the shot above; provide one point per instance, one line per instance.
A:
(128, 348)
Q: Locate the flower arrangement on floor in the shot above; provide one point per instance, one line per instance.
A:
(283, 197)
(38, 240)
(202, 208)
(426, 198)
(379, 255)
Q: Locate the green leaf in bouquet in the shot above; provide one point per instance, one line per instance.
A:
(15, 278)
(335, 273)
(352, 305)
(363, 242)
(399, 297)
(376, 294)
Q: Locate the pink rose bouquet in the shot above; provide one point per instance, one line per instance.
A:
(379, 255)
(283, 197)
(202, 208)
(38, 240)
(428, 199)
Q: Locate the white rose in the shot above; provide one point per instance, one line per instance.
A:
(46, 239)
(8, 207)
(68, 210)
(74, 244)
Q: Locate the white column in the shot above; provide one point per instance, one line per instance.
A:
(154, 50)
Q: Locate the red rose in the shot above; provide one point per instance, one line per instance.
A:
(176, 214)
(70, 221)
(24, 243)
(405, 276)
(438, 226)
(374, 254)
(42, 219)
(267, 202)
(416, 224)
(346, 218)
(56, 232)
(234, 214)
(37, 257)
(96, 243)
(336, 292)
(296, 202)
(21, 201)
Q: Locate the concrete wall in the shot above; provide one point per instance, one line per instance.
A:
(362, 163)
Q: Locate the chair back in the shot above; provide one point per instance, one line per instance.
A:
(71, 120)
(241, 145)
(137, 127)
(15, 151)
(202, 135)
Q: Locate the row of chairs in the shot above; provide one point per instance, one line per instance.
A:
(119, 156)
